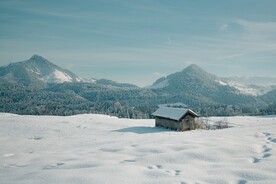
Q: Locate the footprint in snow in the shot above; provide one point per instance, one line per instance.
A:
(134, 145)
(35, 138)
(81, 126)
(242, 181)
(128, 161)
(161, 169)
(182, 182)
(54, 166)
(269, 138)
(273, 140)
(266, 149)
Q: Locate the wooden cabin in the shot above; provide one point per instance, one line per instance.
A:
(179, 119)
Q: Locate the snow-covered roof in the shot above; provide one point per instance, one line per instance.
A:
(172, 113)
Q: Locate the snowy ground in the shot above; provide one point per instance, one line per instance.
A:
(103, 149)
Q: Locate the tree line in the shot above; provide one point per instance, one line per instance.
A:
(79, 98)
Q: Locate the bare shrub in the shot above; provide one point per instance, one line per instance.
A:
(201, 123)
(204, 123)
(221, 124)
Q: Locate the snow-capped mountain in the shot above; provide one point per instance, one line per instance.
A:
(36, 71)
(194, 78)
(196, 86)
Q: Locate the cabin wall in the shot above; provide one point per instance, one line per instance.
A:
(187, 123)
(166, 123)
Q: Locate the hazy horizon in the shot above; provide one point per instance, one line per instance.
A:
(139, 42)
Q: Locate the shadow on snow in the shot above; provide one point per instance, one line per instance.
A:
(142, 130)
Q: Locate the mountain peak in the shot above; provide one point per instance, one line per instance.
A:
(181, 79)
(193, 67)
(37, 57)
(199, 72)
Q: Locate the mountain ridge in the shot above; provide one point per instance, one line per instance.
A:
(38, 71)
(37, 86)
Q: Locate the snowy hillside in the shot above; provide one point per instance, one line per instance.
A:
(58, 77)
(36, 71)
(243, 88)
(247, 88)
(103, 149)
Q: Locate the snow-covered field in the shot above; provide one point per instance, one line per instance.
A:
(102, 149)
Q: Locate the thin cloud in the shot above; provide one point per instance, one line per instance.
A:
(257, 26)
(224, 27)
(264, 31)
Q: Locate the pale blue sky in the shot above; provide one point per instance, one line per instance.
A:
(138, 41)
